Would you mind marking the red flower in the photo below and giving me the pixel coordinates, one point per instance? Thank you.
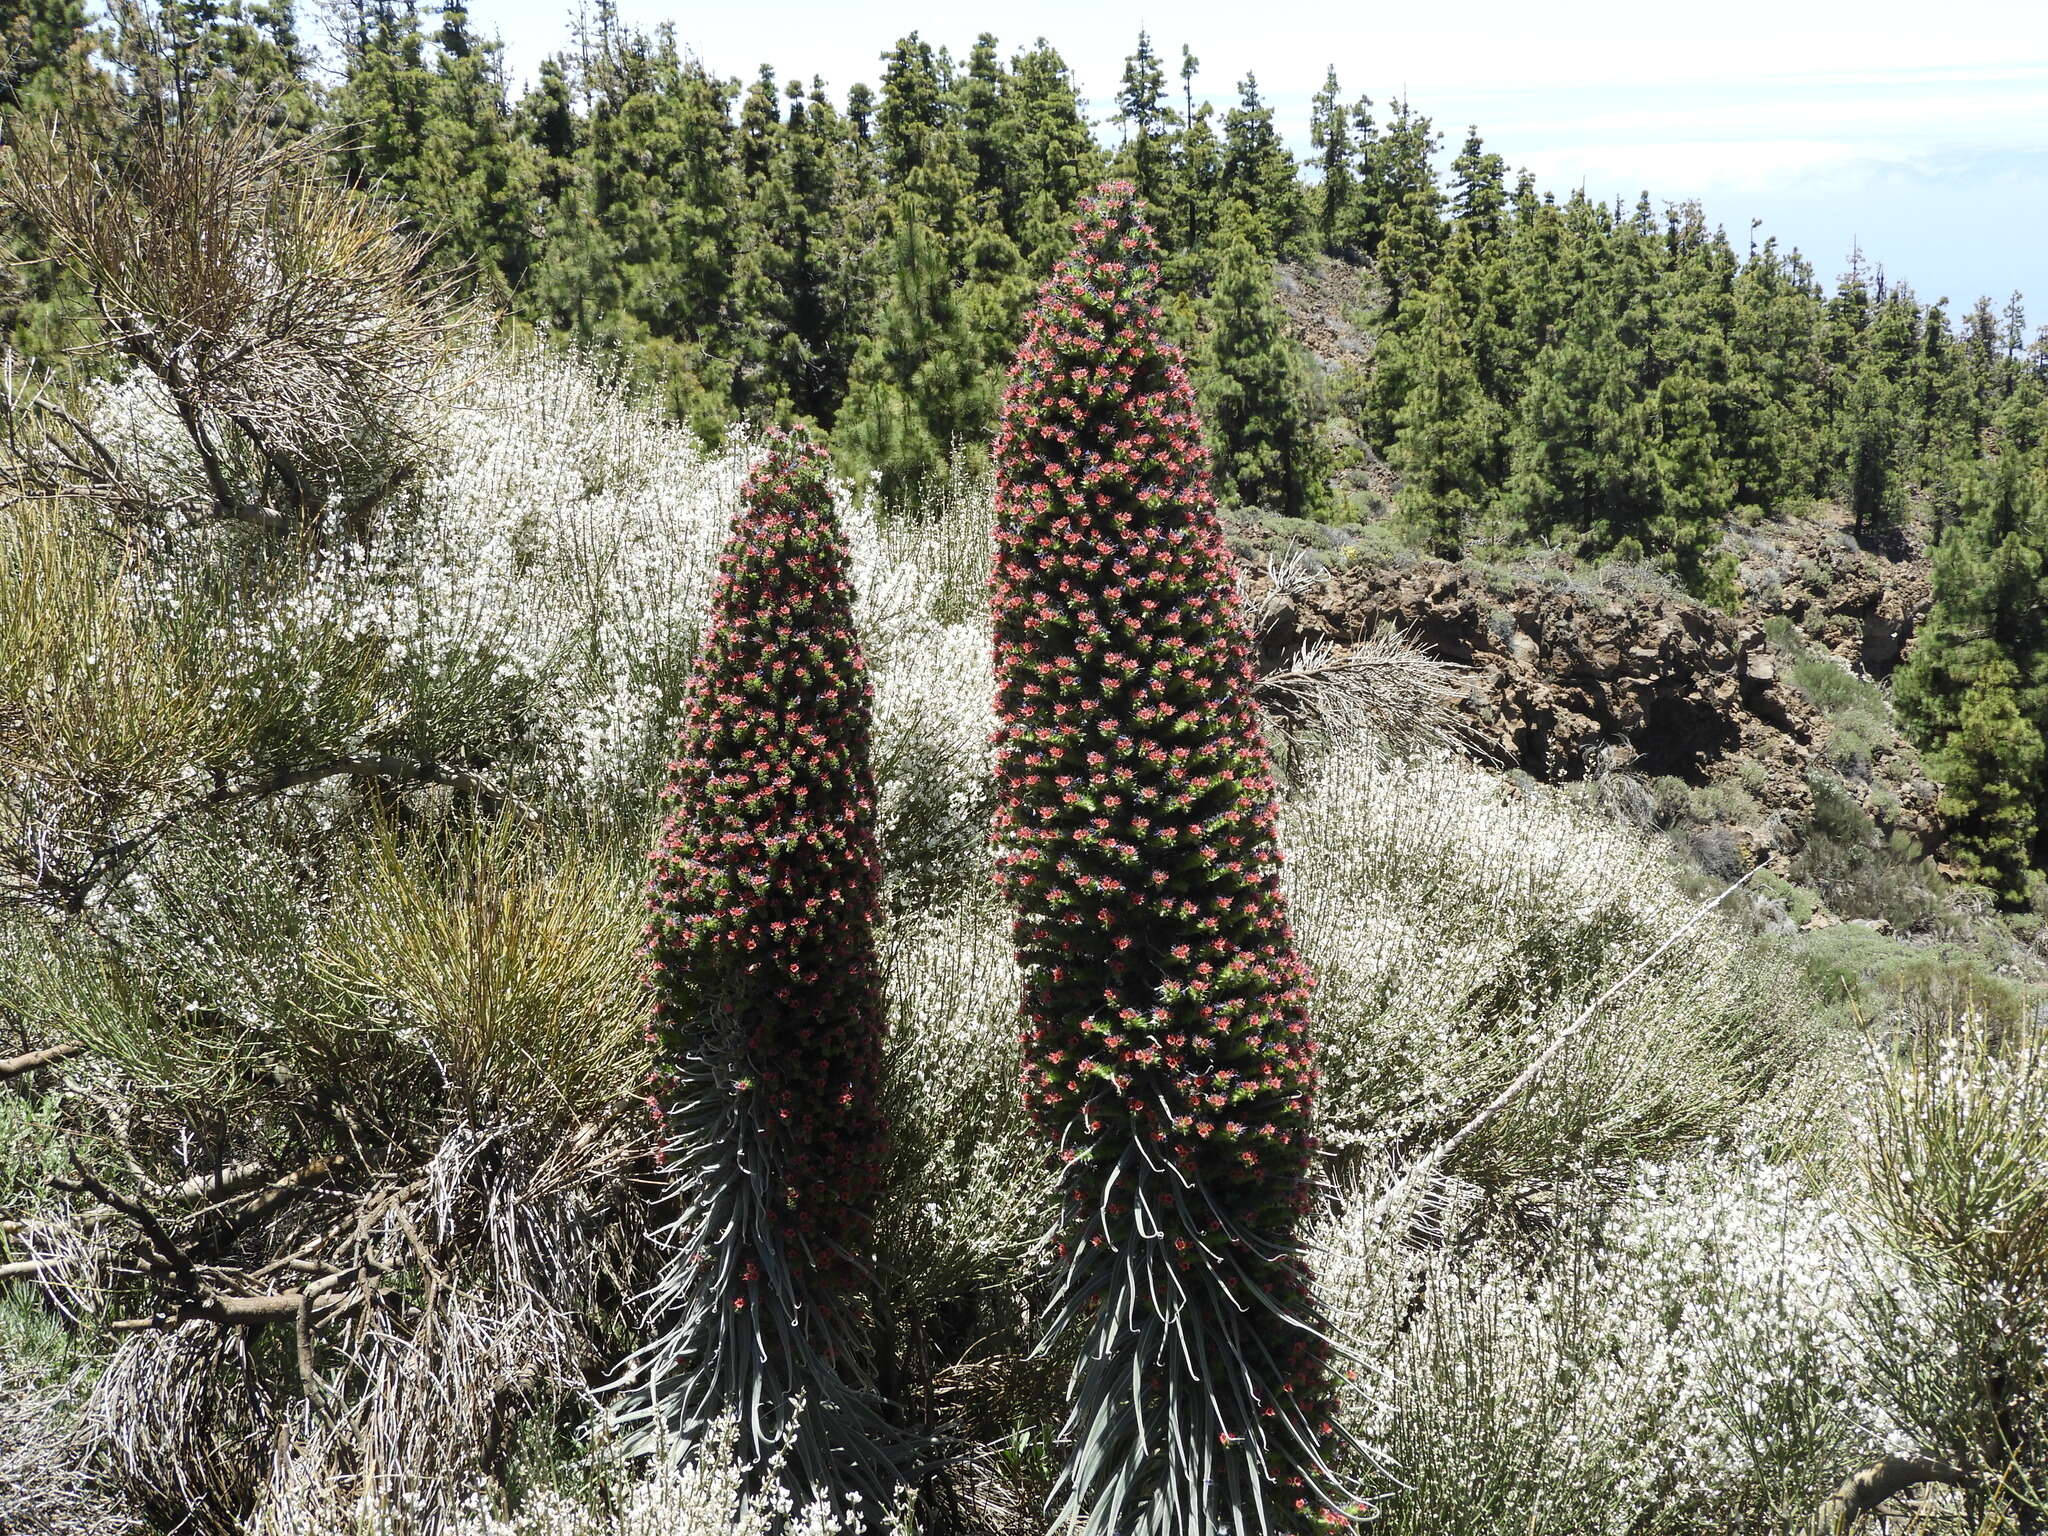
(1127, 733)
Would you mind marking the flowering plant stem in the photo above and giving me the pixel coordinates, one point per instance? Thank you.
(768, 1020)
(1166, 1011)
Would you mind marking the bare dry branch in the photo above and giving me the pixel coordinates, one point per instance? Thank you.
(49, 1056)
(1863, 1491)
(1388, 686)
(1284, 577)
(1426, 1165)
(30, 1269)
(71, 886)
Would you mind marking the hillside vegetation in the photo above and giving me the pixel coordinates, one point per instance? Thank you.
(1282, 1121)
(1458, 364)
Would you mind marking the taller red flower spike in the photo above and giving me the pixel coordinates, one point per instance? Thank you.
(768, 1013)
(1166, 1012)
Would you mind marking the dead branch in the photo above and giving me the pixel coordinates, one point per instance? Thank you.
(1426, 1165)
(231, 1180)
(284, 318)
(168, 1255)
(1386, 686)
(1863, 1491)
(1287, 574)
(233, 1310)
(29, 1269)
(48, 1056)
(278, 1191)
(72, 891)
(235, 1179)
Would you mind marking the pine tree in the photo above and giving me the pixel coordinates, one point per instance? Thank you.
(760, 128)
(1948, 414)
(1166, 1012)
(1773, 425)
(911, 121)
(44, 50)
(1145, 117)
(1445, 428)
(645, 228)
(1406, 200)
(925, 380)
(1051, 157)
(385, 101)
(1974, 689)
(1873, 452)
(921, 383)
(428, 123)
(1991, 769)
(1478, 188)
(803, 276)
(1984, 355)
(1329, 133)
(1198, 202)
(1693, 491)
(46, 68)
(1258, 176)
(1359, 230)
(1583, 416)
(1615, 446)
(186, 52)
(1258, 389)
(569, 245)
(768, 1015)
(979, 101)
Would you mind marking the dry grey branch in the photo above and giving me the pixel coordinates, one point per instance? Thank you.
(1387, 687)
(48, 1056)
(1865, 1490)
(1426, 1166)
(426, 1306)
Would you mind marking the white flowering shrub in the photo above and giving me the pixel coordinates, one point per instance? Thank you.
(1688, 1359)
(923, 619)
(1457, 924)
(702, 1494)
(333, 850)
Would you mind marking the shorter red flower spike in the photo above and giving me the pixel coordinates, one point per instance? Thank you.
(767, 878)
(767, 1025)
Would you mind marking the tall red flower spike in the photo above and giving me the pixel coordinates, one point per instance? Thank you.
(1166, 1011)
(768, 1014)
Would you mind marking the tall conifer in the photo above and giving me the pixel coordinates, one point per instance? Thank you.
(1258, 175)
(1142, 110)
(1872, 452)
(1050, 155)
(1258, 389)
(1329, 133)
(1445, 428)
(1974, 689)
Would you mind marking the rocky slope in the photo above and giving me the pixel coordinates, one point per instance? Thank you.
(1727, 726)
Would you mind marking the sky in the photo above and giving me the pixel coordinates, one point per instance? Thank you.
(1918, 131)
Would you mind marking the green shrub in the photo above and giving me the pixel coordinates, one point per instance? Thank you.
(1954, 1144)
